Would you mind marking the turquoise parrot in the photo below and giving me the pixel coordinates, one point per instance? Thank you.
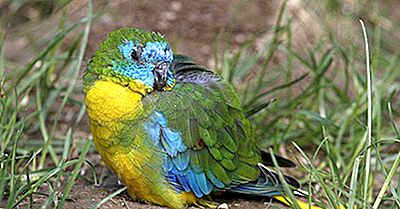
(172, 131)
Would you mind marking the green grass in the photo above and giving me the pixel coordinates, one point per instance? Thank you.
(315, 103)
(345, 132)
(27, 104)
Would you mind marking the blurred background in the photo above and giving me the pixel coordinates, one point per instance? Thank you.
(298, 66)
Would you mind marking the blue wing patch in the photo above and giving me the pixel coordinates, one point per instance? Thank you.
(177, 159)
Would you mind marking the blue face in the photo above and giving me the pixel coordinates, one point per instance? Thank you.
(149, 63)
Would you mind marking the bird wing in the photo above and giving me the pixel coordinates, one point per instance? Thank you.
(209, 144)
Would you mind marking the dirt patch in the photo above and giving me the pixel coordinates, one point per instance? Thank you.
(191, 26)
(85, 194)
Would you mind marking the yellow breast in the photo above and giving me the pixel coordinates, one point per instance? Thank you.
(108, 106)
(111, 107)
(108, 102)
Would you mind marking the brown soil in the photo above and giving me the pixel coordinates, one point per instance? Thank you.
(85, 194)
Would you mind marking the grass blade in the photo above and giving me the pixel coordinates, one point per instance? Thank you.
(369, 118)
(353, 183)
(110, 196)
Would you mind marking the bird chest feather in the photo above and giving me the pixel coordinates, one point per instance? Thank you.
(114, 112)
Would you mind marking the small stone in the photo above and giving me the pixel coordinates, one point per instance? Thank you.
(169, 16)
(223, 206)
(24, 101)
(176, 5)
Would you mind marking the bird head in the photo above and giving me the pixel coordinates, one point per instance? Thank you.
(133, 58)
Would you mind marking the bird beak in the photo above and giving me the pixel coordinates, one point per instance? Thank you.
(160, 73)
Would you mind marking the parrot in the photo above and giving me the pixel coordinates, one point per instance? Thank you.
(173, 131)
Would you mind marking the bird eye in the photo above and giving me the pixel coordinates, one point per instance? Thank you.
(135, 55)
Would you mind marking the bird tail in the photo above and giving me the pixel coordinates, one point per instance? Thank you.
(269, 185)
